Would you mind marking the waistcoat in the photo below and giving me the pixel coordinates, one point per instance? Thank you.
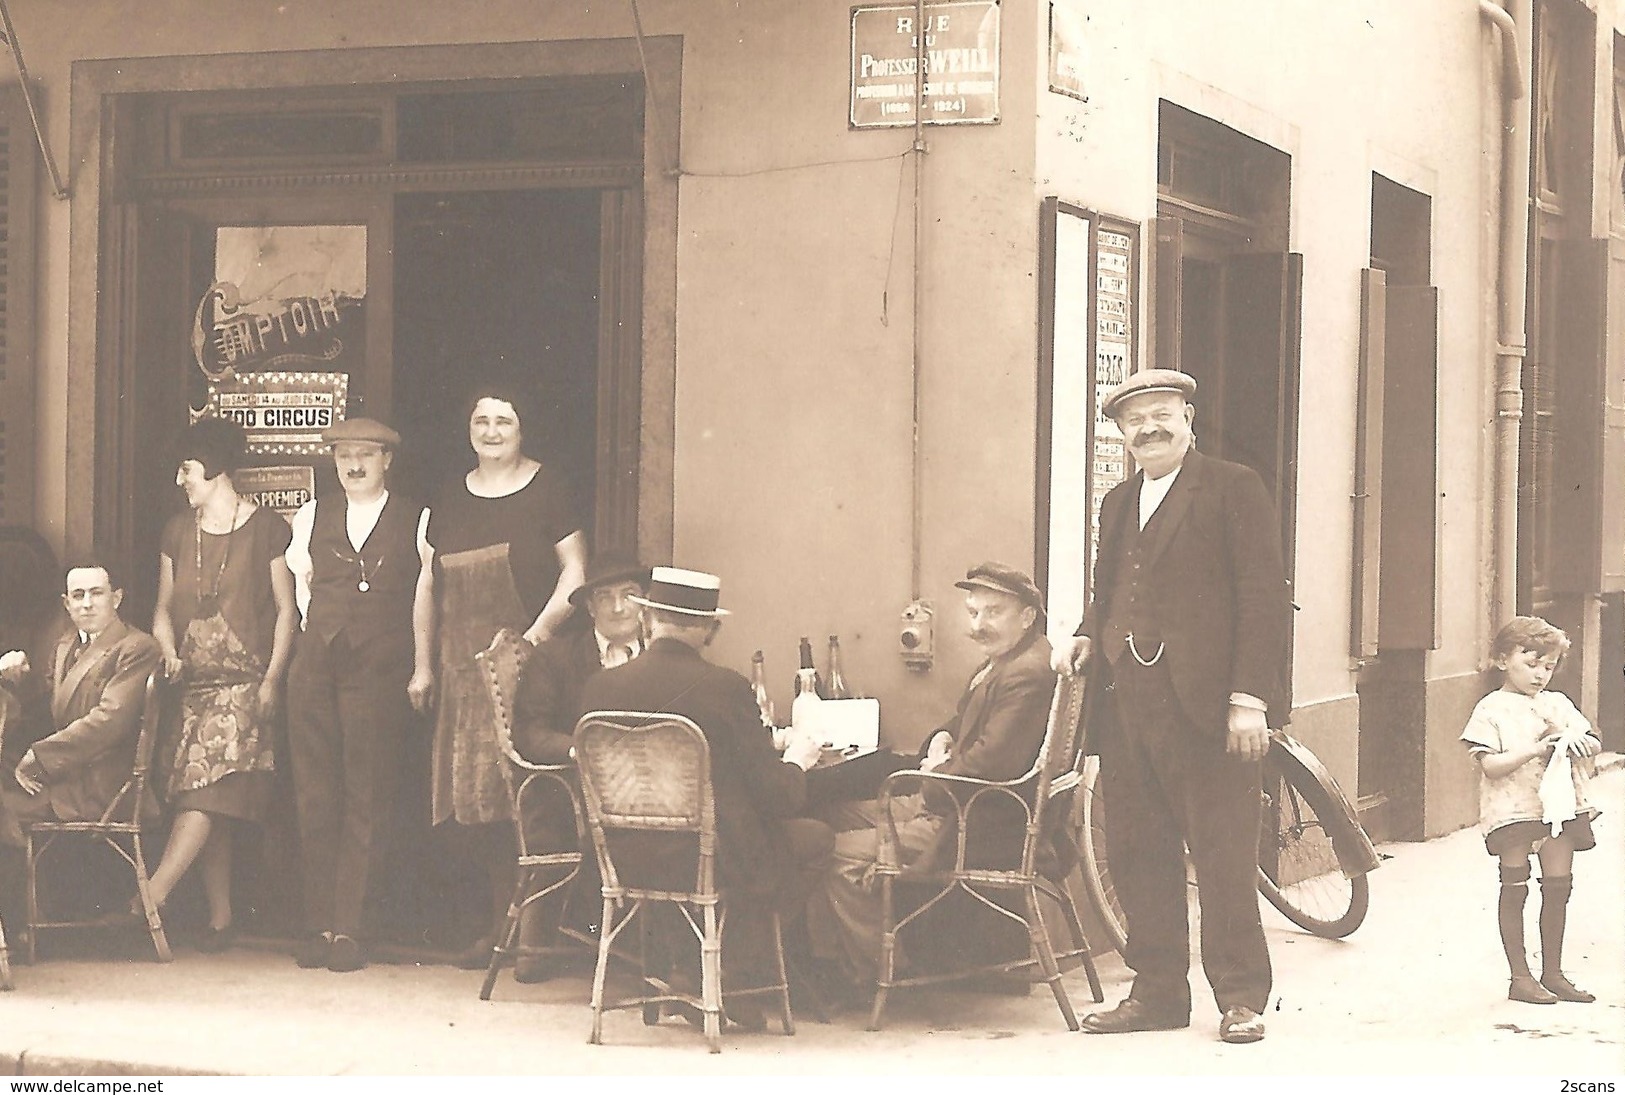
(388, 563)
(1131, 612)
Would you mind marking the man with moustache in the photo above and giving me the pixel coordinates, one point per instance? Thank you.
(547, 703)
(995, 735)
(92, 700)
(360, 668)
(1189, 624)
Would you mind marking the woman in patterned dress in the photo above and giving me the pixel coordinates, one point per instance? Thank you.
(507, 552)
(225, 622)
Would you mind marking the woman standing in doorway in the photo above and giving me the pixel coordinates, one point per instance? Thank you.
(508, 551)
(225, 622)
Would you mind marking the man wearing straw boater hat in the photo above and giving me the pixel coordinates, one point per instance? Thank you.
(766, 855)
(1189, 625)
(547, 702)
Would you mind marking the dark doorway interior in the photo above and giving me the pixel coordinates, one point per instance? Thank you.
(496, 284)
(487, 285)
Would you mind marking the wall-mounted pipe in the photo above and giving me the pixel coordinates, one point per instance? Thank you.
(1512, 25)
(58, 190)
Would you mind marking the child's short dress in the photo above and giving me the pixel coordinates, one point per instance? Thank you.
(1509, 808)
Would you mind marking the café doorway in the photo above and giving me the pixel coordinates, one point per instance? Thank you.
(496, 285)
(478, 231)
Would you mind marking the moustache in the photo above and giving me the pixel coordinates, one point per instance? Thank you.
(1154, 435)
(356, 473)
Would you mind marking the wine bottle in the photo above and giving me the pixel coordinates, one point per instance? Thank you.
(807, 698)
(807, 664)
(835, 685)
(758, 685)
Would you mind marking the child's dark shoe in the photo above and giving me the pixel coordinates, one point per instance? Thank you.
(1564, 989)
(1526, 990)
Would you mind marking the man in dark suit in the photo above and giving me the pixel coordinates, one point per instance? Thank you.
(767, 856)
(547, 703)
(92, 700)
(1190, 622)
(995, 734)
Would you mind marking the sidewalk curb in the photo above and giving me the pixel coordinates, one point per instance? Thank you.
(26, 1063)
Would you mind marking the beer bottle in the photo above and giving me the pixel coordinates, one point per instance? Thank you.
(758, 685)
(835, 686)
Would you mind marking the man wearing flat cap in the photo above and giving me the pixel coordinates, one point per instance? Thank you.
(1188, 626)
(360, 667)
(995, 734)
(547, 703)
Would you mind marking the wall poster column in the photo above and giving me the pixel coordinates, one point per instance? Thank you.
(1088, 305)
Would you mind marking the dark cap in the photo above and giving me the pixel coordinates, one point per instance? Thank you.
(362, 429)
(606, 569)
(1003, 579)
(1146, 381)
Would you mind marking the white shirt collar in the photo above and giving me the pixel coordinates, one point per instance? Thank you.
(1153, 491)
(603, 647)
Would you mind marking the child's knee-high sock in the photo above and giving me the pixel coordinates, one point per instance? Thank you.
(1554, 915)
(1514, 892)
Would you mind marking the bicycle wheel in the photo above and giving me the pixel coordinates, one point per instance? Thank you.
(1298, 870)
(1092, 873)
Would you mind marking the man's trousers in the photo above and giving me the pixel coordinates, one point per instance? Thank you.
(1169, 785)
(347, 713)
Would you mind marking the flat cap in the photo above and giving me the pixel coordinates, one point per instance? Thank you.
(362, 429)
(1145, 381)
(1003, 579)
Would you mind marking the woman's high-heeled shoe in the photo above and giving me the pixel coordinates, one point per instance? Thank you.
(216, 940)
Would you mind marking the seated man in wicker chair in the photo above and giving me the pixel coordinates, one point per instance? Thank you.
(995, 734)
(90, 705)
(767, 857)
(547, 703)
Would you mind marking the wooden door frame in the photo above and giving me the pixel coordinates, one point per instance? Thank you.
(100, 228)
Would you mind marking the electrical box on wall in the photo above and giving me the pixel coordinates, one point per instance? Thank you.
(914, 638)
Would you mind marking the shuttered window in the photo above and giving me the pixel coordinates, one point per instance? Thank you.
(19, 165)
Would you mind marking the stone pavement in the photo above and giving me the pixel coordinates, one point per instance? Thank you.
(1418, 989)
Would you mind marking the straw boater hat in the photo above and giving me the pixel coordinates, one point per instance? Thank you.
(362, 429)
(607, 569)
(691, 592)
(1143, 383)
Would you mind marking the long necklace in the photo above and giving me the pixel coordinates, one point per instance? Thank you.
(208, 604)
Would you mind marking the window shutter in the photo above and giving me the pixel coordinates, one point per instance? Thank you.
(19, 165)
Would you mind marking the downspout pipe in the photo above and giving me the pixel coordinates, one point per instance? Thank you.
(1512, 26)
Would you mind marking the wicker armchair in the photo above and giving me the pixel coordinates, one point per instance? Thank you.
(646, 780)
(996, 841)
(120, 827)
(500, 665)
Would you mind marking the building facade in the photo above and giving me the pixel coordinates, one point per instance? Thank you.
(838, 360)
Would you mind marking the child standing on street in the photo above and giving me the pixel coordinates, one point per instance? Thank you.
(1534, 749)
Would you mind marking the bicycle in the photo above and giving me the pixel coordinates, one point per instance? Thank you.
(1313, 854)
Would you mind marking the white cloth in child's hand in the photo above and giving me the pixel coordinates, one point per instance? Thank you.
(1558, 802)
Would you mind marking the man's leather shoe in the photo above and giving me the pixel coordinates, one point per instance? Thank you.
(532, 969)
(1133, 1015)
(1240, 1025)
(478, 954)
(346, 955)
(310, 953)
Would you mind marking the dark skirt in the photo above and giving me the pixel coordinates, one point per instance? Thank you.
(1518, 835)
(241, 795)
